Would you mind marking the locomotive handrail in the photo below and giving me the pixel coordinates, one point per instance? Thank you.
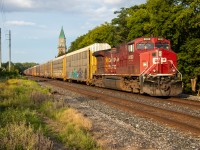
(145, 69)
(175, 68)
(143, 73)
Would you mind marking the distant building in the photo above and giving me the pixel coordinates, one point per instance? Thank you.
(62, 47)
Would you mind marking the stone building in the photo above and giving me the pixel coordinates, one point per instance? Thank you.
(62, 47)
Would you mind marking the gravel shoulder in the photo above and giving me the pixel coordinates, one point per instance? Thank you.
(115, 129)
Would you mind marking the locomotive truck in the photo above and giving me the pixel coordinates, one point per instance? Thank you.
(146, 65)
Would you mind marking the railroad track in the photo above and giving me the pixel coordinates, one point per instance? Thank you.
(194, 105)
(185, 122)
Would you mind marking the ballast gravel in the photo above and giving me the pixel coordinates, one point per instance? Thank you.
(118, 130)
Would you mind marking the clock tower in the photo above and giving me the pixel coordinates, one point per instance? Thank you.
(62, 43)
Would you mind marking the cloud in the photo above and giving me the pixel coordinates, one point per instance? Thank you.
(70, 6)
(18, 5)
(102, 10)
(113, 1)
(23, 23)
(20, 23)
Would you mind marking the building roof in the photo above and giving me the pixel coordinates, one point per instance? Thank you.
(62, 34)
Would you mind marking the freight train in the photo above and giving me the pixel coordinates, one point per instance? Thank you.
(146, 65)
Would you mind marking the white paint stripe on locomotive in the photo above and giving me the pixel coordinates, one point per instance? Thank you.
(161, 74)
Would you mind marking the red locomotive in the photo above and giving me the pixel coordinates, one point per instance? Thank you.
(144, 65)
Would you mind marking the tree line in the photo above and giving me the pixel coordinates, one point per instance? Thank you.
(176, 20)
(15, 67)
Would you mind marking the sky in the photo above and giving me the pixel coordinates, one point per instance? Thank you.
(35, 24)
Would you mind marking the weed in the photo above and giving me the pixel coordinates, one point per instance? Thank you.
(73, 116)
(38, 97)
(22, 136)
(75, 138)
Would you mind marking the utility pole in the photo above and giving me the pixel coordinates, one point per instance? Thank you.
(9, 50)
(0, 48)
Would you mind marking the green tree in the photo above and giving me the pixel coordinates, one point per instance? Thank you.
(138, 22)
(100, 34)
(189, 62)
(120, 29)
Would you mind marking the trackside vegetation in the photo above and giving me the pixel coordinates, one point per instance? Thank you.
(30, 117)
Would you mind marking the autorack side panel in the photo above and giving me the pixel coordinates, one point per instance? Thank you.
(80, 64)
(64, 68)
(48, 69)
(34, 71)
(92, 65)
(44, 65)
(57, 65)
(77, 65)
(51, 69)
(28, 71)
(38, 70)
(42, 70)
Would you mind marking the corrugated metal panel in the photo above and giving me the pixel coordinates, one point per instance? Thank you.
(48, 69)
(99, 46)
(58, 67)
(94, 47)
(59, 57)
(77, 66)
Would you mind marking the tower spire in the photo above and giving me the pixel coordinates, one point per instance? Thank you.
(62, 34)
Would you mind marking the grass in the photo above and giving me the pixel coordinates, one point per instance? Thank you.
(20, 125)
(22, 136)
(73, 129)
(23, 106)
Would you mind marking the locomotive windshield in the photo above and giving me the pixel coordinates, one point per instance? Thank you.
(145, 46)
(162, 45)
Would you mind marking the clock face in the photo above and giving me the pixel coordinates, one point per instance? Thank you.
(62, 42)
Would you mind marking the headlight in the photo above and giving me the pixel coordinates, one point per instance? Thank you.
(144, 64)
